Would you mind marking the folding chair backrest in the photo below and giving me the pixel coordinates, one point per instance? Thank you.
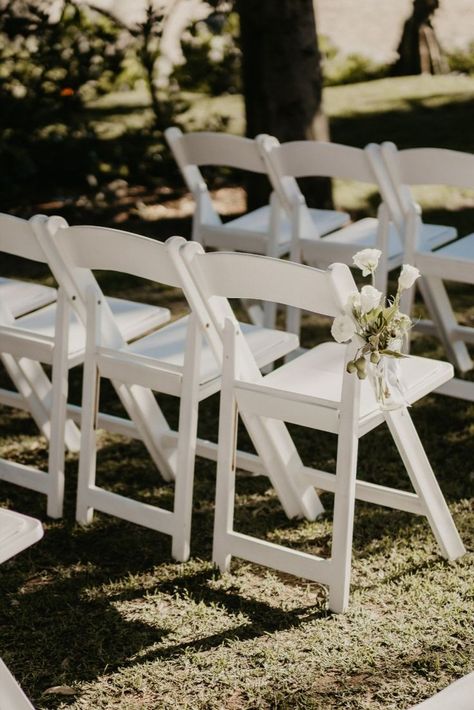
(18, 238)
(219, 276)
(73, 252)
(298, 159)
(192, 150)
(426, 166)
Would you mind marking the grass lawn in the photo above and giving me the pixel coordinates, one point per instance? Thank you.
(105, 612)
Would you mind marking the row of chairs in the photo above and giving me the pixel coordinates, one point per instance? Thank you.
(287, 227)
(141, 351)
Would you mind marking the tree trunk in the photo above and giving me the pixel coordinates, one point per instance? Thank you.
(419, 50)
(282, 82)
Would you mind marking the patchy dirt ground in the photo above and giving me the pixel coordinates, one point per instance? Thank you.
(373, 27)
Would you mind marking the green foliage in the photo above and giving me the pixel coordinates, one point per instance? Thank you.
(462, 60)
(212, 57)
(48, 69)
(341, 69)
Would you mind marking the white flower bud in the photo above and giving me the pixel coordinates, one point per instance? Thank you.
(408, 276)
(367, 260)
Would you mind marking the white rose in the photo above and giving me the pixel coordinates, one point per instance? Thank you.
(367, 260)
(369, 298)
(342, 329)
(408, 276)
(353, 302)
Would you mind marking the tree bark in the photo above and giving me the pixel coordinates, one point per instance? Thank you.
(282, 80)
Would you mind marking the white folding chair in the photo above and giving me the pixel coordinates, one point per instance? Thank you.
(25, 296)
(169, 361)
(457, 696)
(297, 159)
(397, 170)
(266, 230)
(437, 263)
(314, 391)
(51, 336)
(17, 532)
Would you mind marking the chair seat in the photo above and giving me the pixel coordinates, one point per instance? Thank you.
(318, 374)
(17, 532)
(23, 297)
(453, 262)
(460, 249)
(457, 696)
(363, 235)
(133, 318)
(168, 345)
(256, 225)
(435, 235)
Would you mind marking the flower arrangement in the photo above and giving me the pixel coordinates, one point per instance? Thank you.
(379, 327)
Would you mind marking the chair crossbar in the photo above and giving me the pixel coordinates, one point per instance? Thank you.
(369, 492)
(285, 406)
(26, 476)
(279, 558)
(134, 511)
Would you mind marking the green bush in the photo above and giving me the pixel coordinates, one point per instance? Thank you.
(48, 70)
(212, 58)
(341, 69)
(462, 60)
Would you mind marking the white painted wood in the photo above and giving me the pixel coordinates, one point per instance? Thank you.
(49, 335)
(313, 390)
(424, 482)
(17, 532)
(170, 360)
(12, 696)
(431, 247)
(457, 695)
(266, 230)
(297, 159)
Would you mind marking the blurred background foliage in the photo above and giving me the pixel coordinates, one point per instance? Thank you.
(83, 102)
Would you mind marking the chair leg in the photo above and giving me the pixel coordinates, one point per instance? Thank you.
(438, 303)
(269, 314)
(188, 420)
(35, 387)
(293, 320)
(58, 412)
(343, 522)
(225, 476)
(424, 482)
(225, 480)
(88, 455)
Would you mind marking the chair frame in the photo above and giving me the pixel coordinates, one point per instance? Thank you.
(299, 159)
(435, 166)
(73, 253)
(197, 149)
(219, 276)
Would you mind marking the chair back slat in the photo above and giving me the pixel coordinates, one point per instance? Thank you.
(17, 238)
(73, 252)
(208, 148)
(319, 159)
(236, 275)
(101, 248)
(436, 166)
